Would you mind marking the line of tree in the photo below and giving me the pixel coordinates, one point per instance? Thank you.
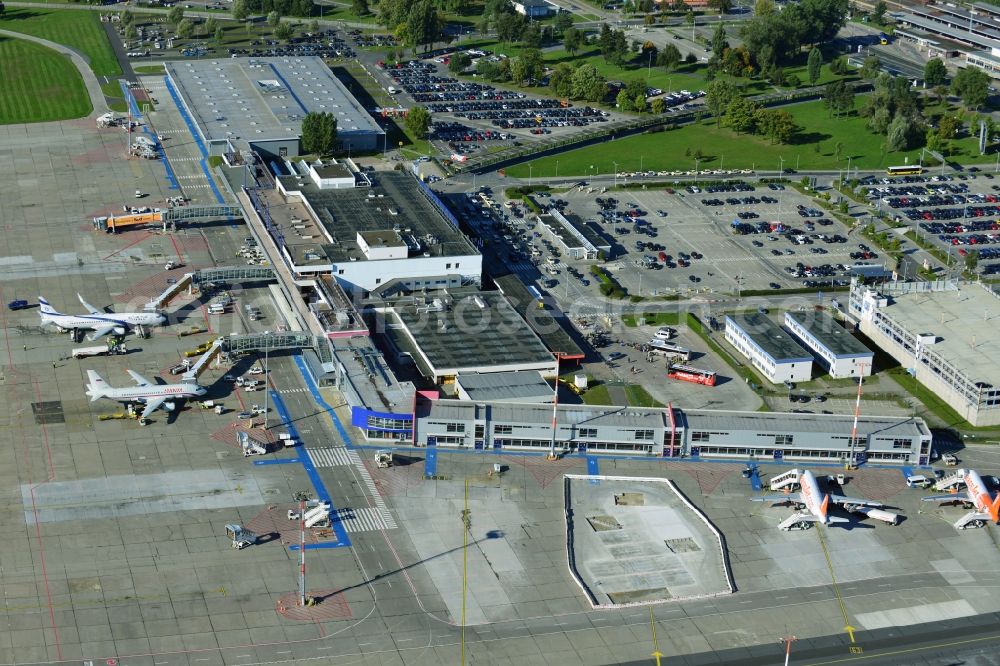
(774, 38)
(319, 133)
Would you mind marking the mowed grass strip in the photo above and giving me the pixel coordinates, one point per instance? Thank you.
(39, 84)
(812, 147)
(80, 30)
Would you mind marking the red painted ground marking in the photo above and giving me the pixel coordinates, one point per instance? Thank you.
(544, 471)
(141, 238)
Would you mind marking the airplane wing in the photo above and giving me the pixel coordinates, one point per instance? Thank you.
(790, 497)
(101, 332)
(90, 308)
(950, 497)
(152, 404)
(139, 379)
(840, 499)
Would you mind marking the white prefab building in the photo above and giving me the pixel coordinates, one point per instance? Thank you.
(834, 347)
(769, 348)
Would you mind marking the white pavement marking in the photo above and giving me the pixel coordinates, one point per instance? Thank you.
(376, 496)
(329, 457)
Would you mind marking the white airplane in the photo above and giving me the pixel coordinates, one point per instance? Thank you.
(153, 395)
(975, 496)
(100, 322)
(816, 502)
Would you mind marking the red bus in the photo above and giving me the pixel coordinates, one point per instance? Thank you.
(686, 373)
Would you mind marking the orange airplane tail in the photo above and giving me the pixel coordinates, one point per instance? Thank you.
(995, 509)
(824, 507)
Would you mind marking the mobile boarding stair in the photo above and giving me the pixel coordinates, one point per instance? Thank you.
(789, 481)
(786, 481)
(952, 481)
(249, 445)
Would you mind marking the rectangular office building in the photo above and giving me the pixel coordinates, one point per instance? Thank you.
(833, 346)
(769, 348)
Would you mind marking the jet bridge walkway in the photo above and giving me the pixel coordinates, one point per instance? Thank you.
(269, 342)
(228, 274)
(168, 217)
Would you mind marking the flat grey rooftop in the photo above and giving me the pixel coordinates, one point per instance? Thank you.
(395, 200)
(550, 330)
(476, 330)
(564, 230)
(697, 419)
(774, 340)
(964, 321)
(504, 385)
(590, 415)
(264, 98)
(831, 334)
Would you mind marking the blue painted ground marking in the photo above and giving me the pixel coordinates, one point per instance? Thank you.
(755, 479)
(171, 178)
(322, 403)
(431, 462)
(907, 471)
(319, 546)
(197, 139)
(277, 461)
(321, 492)
(593, 466)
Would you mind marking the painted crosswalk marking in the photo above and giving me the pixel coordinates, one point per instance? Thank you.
(329, 457)
(364, 520)
(375, 495)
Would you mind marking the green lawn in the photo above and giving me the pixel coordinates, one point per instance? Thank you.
(653, 319)
(637, 396)
(724, 149)
(38, 84)
(80, 30)
(597, 395)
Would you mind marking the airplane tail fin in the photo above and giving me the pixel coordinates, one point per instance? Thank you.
(44, 308)
(96, 386)
(824, 508)
(995, 509)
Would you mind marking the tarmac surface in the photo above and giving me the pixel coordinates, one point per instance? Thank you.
(115, 547)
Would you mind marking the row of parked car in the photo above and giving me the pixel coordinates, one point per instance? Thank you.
(457, 132)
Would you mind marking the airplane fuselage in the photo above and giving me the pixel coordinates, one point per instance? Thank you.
(142, 394)
(812, 497)
(978, 493)
(95, 322)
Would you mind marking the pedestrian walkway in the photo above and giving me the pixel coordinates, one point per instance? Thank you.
(329, 457)
(364, 520)
(376, 496)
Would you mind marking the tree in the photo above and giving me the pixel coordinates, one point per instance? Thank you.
(459, 63)
(531, 35)
(972, 260)
(763, 8)
(128, 18)
(616, 50)
(589, 84)
(284, 31)
(273, 19)
(314, 27)
(131, 33)
(518, 71)
(418, 122)
(533, 65)
(838, 98)
(640, 103)
(668, 58)
(838, 148)
(776, 125)
(319, 133)
(718, 96)
(564, 21)
(239, 10)
(509, 27)
(878, 15)
(423, 25)
(658, 106)
(838, 66)
(719, 43)
(220, 34)
(572, 40)
(896, 134)
(972, 85)
(721, 6)
(741, 115)
(935, 73)
(175, 15)
(871, 67)
(360, 7)
(624, 102)
(814, 65)
(210, 25)
(690, 59)
(561, 80)
(185, 28)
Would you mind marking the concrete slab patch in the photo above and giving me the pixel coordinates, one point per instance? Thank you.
(933, 612)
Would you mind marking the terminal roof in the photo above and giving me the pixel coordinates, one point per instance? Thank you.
(832, 335)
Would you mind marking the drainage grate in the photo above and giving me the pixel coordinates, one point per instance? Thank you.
(48, 412)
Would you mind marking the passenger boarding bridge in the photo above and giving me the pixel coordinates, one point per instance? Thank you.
(168, 217)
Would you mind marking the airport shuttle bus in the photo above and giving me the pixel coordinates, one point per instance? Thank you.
(669, 349)
(686, 373)
(908, 170)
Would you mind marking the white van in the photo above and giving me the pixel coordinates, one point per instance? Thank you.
(665, 333)
(918, 481)
(216, 308)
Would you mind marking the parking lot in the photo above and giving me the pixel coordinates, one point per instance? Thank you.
(950, 211)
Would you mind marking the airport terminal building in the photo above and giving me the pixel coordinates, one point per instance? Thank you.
(261, 102)
(943, 333)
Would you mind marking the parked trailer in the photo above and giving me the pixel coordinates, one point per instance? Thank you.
(686, 373)
(97, 350)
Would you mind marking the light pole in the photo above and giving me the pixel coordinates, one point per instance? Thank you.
(781, 165)
(529, 175)
(267, 379)
(616, 173)
(557, 168)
